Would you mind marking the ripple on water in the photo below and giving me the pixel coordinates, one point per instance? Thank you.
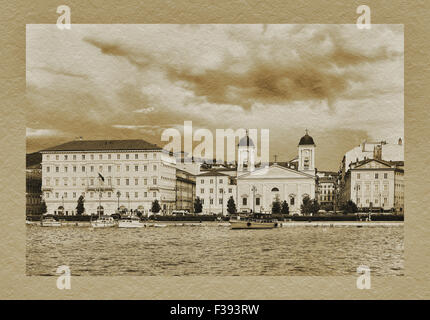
(210, 250)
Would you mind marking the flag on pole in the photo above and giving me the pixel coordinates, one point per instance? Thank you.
(101, 177)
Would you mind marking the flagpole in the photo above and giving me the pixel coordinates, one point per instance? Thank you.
(100, 198)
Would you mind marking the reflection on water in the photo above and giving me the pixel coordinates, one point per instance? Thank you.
(214, 250)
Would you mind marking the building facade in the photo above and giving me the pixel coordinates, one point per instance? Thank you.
(33, 183)
(214, 188)
(326, 189)
(109, 174)
(185, 190)
(376, 185)
(257, 189)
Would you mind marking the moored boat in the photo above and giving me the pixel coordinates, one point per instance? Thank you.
(160, 225)
(131, 222)
(103, 222)
(50, 222)
(254, 223)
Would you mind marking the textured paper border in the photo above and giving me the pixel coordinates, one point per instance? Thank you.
(14, 283)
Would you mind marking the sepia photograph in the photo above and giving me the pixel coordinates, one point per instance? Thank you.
(214, 150)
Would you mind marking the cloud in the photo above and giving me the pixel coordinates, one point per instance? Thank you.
(138, 59)
(135, 127)
(145, 110)
(279, 71)
(37, 133)
(131, 81)
(63, 72)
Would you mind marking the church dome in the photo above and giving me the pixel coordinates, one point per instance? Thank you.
(306, 140)
(246, 141)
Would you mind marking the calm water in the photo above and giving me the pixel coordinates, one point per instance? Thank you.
(215, 250)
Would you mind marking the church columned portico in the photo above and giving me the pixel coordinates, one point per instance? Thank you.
(278, 183)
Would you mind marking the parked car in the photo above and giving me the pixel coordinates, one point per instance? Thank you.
(179, 212)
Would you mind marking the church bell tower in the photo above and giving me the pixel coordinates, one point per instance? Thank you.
(245, 155)
(307, 154)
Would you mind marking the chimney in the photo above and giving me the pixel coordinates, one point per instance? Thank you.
(377, 152)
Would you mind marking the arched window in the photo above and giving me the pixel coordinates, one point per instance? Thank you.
(100, 210)
(275, 190)
(292, 199)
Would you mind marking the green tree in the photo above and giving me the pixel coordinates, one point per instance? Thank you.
(349, 207)
(276, 206)
(198, 207)
(43, 208)
(309, 206)
(231, 206)
(155, 206)
(80, 207)
(285, 209)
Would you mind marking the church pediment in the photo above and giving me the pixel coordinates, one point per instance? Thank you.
(373, 164)
(275, 172)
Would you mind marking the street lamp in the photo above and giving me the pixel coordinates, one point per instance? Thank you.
(62, 200)
(100, 203)
(118, 194)
(253, 189)
(222, 202)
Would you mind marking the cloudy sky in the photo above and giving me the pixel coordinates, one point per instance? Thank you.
(132, 81)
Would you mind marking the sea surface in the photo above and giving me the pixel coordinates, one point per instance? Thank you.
(214, 250)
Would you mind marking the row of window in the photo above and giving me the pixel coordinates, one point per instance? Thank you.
(376, 187)
(376, 176)
(376, 201)
(211, 201)
(101, 167)
(211, 190)
(91, 182)
(245, 201)
(92, 194)
(326, 186)
(211, 181)
(101, 156)
(328, 191)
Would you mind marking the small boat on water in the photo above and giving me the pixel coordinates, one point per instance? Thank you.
(254, 222)
(159, 225)
(50, 222)
(131, 222)
(103, 222)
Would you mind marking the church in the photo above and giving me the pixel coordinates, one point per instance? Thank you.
(257, 188)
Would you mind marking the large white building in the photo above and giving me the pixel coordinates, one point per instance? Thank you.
(135, 174)
(255, 187)
(214, 188)
(376, 184)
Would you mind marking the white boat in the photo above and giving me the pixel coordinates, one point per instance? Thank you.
(50, 222)
(103, 222)
(253, 224)
(159, 225)
(131, 222)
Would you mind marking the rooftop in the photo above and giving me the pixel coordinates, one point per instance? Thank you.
(212, 173)
(103, 145)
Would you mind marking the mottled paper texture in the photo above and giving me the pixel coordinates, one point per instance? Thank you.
(15, 285)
